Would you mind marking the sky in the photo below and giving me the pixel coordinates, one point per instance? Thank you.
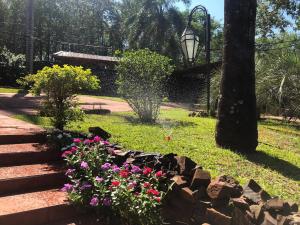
(215, 7)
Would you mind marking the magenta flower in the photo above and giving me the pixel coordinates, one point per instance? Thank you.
(74, 149)
(94, 201)
(107, 201)
(84, 165)
(135, 169)
(106, 166)
(67, 188)
(99, 179)
(66, 153)
(70, 172)
(106, 143)
(116, 169)
(86, 141)
(76, 140)
(97, 139)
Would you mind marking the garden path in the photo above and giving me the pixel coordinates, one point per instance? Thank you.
(11, 104)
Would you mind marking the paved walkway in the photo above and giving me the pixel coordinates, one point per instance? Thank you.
(11, 126)
(11, 104)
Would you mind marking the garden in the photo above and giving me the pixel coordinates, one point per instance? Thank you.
(135, 131)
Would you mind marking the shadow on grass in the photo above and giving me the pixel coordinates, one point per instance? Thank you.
(281, 166)
(275, 123)
(37, 120)
(159, 123)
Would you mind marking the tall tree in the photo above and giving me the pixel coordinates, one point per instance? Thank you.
(237, 123)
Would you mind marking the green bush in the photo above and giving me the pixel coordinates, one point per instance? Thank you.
(142, 77)
(60, 85)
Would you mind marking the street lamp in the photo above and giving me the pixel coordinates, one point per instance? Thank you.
(190, 43)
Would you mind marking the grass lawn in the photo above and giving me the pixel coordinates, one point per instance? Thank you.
(275, 166)
(9, 90)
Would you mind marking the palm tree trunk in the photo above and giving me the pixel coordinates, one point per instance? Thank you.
(237, 122)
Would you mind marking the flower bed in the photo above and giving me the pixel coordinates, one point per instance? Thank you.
(96, 180)
(154, 189)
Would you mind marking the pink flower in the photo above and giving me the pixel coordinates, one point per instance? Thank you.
(159, 174)
(94, 201)
(135, 169)
(66, 153)
(146, 185)
(87, 141)
(153, 192)
(84, 165)
(158, 199)
(147, 170)
(67, 188)
(99, 179)
(76, 140)
(97, 139)
(124, 173)
(70, 172)
(74, 149)
(106, 143)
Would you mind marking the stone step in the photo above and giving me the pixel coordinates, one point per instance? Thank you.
(28, 153)
(18, 138)
(89, 219)
(36, 208)
(21, 179)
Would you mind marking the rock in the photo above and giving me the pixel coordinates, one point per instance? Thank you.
(220, 203)
(257, 211)
(293, 206)
(283, 220)
(189, 195)
(240, 218)
(230, 181)
(216, 218)
(100, 132)
(278, 205)
(219, 189)
(179, 182)
(185, 165)
(253, 192)
(268, 219)
(240, 203)
(200, 178)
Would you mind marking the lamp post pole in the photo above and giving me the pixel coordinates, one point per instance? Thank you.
(190, 45)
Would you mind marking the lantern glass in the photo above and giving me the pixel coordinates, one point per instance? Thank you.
(189, 44)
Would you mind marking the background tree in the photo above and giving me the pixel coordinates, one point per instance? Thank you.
(237, 125)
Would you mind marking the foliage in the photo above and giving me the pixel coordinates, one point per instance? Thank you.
(12, 66)
(277, 156)
(142, 77)
(278, 83)
(60, 84)
(277, 15)
(99, 183)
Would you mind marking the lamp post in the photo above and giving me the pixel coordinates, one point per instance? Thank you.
(190, 43)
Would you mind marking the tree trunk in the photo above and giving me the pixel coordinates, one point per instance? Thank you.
(237, 123)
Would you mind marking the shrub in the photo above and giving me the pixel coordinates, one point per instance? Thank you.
(142, 77)
(132, 193)
(60, 85)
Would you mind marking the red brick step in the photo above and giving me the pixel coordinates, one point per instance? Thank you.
(6, 139)
(36, 208)
(28, 153)
(24, 178)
